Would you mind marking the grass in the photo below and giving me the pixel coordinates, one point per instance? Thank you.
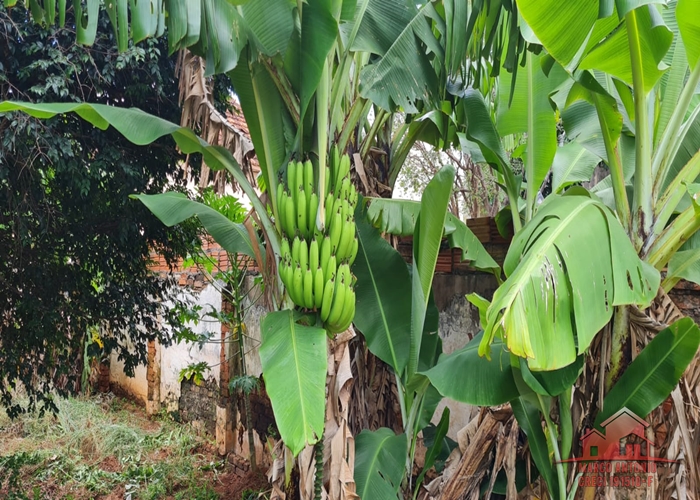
(105, 448)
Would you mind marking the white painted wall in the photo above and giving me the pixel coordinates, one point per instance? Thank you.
(174, 358)
(178, 356)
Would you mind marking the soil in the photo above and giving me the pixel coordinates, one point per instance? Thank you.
(230, 486)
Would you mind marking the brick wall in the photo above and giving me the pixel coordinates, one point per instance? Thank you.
(198, 404)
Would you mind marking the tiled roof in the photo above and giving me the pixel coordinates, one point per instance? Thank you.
(235, 118)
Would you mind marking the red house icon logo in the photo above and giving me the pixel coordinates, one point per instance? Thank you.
(622, 439)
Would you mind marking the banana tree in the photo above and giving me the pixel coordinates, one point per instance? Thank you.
(304, 75)
(623, 79)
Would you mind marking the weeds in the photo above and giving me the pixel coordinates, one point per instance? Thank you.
(98, 446)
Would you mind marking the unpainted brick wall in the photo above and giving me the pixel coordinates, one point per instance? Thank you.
(198, 403)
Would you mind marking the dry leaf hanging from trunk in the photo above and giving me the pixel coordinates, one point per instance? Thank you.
(199, 114)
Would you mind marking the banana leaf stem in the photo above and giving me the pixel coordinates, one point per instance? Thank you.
(666, 150)
(621, 322)
(552, 431)
(642, 211)
(622, 206)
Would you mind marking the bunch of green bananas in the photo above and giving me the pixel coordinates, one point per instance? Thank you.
(319, 243)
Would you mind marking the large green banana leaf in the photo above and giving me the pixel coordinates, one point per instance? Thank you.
(379, 464)
(481, 382)
(613, 54)
(654, 373)
(383, 296)
(525, 108)
(427, 236)
(689, 27)
(173, 208)
(567, 269)
(142, 128)
(398, 217)
(265, 115)
(294, 364)
(398, 32)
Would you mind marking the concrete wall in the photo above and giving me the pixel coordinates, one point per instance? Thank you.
(459, 323)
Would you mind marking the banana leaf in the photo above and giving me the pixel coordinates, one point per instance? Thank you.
(552, 304)
(654, 373)
(379, 463)
(294, 364)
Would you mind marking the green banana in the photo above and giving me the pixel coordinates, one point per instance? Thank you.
(353, 195)
(298, 179)
(283, 267)
(343, 171)
(313, 255)
(334, 165)
(327, 180)
(297, 288)
(329, 210)
(353, 251)
(345, 188)
(308, 177)
(344, 273)
(344, 209)
(290, 216)
(312, 212)
(304, 255)
(308, 289)
(280, 191)
(337, 207)
(325, 253)
(335, 231)
(344, 247)
(348, 313)
(335, 153)
(330, 270)
(302, 217)
(318, 287)
(327, 299)
(285, 249)
(338, 303)
(291, 178)
(296, 246)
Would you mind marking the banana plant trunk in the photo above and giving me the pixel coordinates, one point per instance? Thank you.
(673, 425)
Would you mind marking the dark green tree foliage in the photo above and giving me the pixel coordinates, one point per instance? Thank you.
(73, 246)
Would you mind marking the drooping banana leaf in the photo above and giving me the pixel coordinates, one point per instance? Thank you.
(528, 416)
(294, 364)
(398, 32)
(173, 208)
(142, 128)
(379, 463)
(567, 269)
(398, 217)
(654, 373)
